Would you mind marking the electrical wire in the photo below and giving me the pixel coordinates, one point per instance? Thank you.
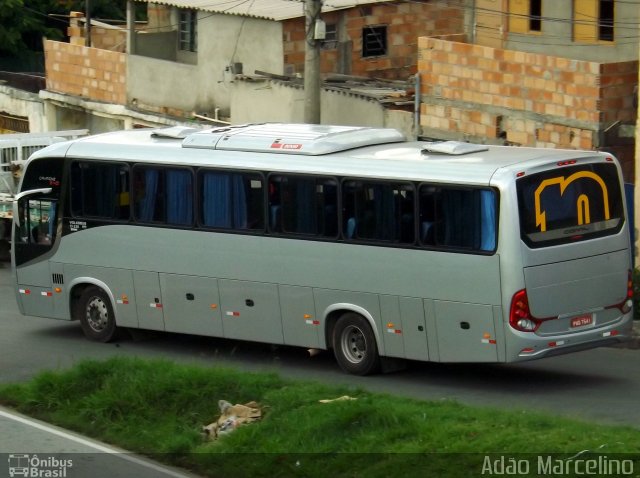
(629, 27)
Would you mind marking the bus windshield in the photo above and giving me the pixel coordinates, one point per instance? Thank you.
(568, 205)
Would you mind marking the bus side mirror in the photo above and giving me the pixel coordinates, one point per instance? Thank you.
(23, 194)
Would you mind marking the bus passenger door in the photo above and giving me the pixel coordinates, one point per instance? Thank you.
(191, 305)
(148, 300)
(34, 235)
(250, 311)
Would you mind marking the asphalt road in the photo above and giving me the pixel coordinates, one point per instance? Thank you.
(601, 385)
(53, 451)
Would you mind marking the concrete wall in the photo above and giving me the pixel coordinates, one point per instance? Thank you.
(343, 108)
(275, 101)
(266, 101)
(206, 85)
(557, 35)
(21, 103)
(160, 45)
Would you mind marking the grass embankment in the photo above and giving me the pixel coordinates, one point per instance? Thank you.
(157, 408)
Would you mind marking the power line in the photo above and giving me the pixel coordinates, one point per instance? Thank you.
(550, 39)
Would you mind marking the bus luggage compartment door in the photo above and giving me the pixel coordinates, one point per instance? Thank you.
(250, 311)
(148, 300)
(191, 305)
(37, 301)
(466, 332)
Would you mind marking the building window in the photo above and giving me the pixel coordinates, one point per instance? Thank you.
(525, 16)
(188, 30)
(374, 41)
(331, 37)
(593, 20)
(535, 15)
(605, 20)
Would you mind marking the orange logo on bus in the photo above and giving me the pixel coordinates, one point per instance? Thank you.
(582, 203)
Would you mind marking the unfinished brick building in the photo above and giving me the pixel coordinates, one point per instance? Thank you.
(499, 96)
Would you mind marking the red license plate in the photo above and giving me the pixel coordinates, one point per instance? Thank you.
(582, 320)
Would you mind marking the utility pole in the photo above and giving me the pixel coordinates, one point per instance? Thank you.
(312, 63)
(131, 27)
(87, 27)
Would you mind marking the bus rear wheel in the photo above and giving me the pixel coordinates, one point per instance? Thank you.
(354, 345)
(96, 315)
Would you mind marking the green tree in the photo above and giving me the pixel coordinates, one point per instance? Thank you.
(26, 22)
(21, 25)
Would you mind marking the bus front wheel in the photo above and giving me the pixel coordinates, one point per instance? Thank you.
(96, 315)
(354, 345)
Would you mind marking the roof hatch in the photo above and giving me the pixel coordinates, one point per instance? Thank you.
(454, 148)
(303, 139)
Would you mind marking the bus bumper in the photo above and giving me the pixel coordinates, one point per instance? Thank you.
(531, 346)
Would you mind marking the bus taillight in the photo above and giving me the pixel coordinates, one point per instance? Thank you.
(627, 305)
(520, 317)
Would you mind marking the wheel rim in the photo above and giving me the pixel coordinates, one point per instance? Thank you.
(97, 314)
(354, 344)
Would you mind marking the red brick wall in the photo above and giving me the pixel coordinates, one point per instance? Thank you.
(617, 83)
(405, 21)
(483, 93)
(88, 72)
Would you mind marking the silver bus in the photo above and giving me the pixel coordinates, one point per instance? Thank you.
(328, 237)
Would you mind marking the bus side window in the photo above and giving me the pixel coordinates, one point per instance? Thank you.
(37, 221)
(164, 195)
(303, 205)
(231, 200)
(378, 211)
(427, 215)
(457, 218)
(100, 190)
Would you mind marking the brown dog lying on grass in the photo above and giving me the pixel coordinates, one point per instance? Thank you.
(231, 417)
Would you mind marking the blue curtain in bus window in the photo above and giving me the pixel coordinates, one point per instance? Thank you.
(224, 200)
(105, 191)
(385, 220)
(146, 206)
(216, 195)
(487, 220)
(239, 202)
(460, 220)
(451, 218)
(305, 206)
(179, 197)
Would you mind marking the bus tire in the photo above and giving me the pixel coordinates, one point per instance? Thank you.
(96, 315)
(354, 345)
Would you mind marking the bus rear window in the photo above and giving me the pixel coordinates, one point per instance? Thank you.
(570, 204)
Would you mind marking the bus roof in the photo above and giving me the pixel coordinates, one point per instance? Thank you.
(312, 149)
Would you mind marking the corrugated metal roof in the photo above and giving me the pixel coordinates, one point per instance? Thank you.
(270, 9)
